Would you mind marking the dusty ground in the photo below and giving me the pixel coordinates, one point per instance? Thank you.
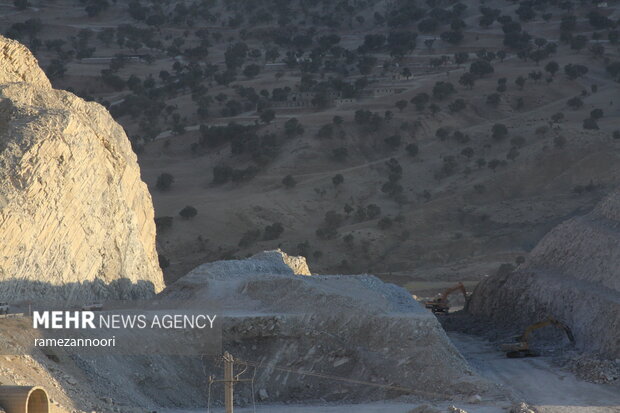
(537, 381)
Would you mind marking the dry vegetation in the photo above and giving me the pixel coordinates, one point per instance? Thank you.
(432, 140)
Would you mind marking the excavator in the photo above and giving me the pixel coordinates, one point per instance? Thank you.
(440, 304)
(522, 349)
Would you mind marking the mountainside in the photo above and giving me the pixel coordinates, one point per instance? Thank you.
(573, 274)
(76, 220)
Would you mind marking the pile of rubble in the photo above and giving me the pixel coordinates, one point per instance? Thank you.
(594, 369)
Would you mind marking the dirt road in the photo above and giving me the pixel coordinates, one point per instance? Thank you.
(536, 381)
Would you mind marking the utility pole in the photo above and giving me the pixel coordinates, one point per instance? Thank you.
(229, 380)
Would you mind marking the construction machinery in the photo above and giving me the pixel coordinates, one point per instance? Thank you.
(522, 347)
(440, 304)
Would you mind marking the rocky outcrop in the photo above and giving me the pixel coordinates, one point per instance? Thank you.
(297, 264)
(19, 65)
(76, 221)
(573, 274)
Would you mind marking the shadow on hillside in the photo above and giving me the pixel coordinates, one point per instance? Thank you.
(20, 293)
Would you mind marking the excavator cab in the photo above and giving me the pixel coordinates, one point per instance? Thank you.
(522, 348)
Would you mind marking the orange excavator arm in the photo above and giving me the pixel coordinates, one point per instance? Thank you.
(547, 322)
(440, 304)
(522, 347)
(457, 287)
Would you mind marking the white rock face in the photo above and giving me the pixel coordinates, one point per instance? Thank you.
(76, 220)
(297, 264)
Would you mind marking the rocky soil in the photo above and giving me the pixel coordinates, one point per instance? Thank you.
(76, 220)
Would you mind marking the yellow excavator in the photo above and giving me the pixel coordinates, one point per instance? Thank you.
(440, 304)
(522, 347)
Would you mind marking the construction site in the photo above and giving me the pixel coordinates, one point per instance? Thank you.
(302, 206)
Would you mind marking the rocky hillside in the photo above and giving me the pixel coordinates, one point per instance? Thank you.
(573, 274)
(76, 220)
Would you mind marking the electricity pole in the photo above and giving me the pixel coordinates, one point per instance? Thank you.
(229, 380)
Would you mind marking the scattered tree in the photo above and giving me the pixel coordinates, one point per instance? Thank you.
(442, 90)
(164, 181)
(267, 115)
(412, 149)
(251, 71)
(289, 181)
(273, 231)
(481, 68)
(188, 212)
(499, 131)
(596, 114)
(337, 180)
(575, 103)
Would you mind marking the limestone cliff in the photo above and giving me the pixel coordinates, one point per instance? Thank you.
(76, 221)
(573, 274)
